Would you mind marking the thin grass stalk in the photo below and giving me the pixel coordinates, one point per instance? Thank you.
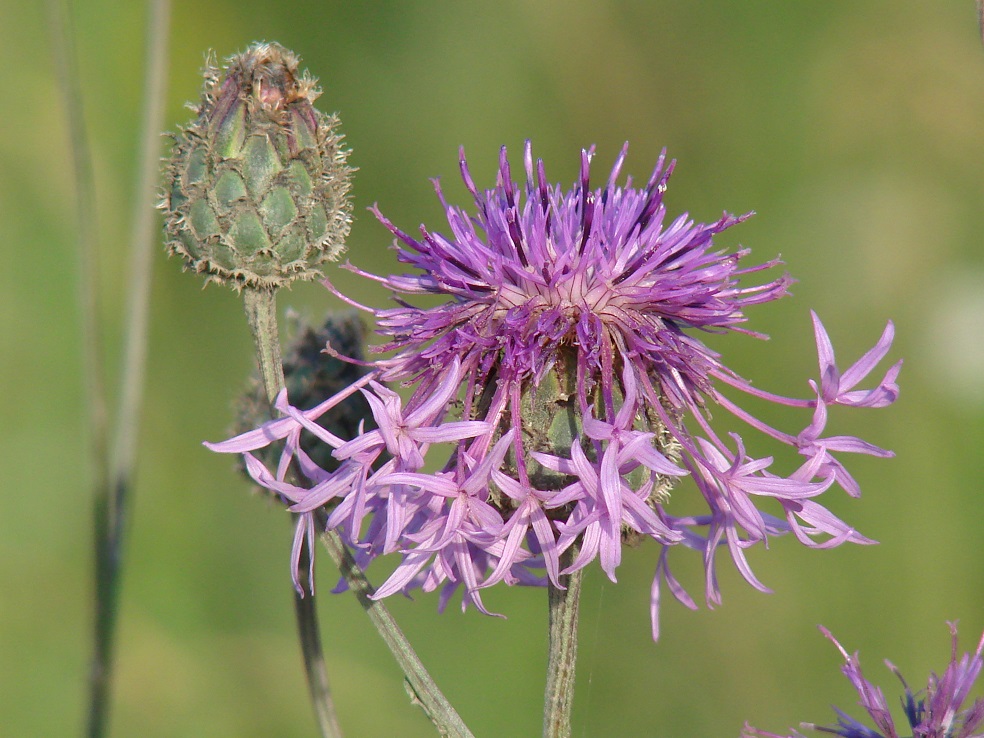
(112, 498)
(87, 248)
(96, 419)
(143, 239)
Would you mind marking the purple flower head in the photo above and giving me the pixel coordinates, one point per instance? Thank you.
(935, 713)
(559, 392)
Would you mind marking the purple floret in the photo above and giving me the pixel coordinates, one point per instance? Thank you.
(935, 713)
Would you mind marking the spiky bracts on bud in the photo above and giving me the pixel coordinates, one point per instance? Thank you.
(256, 189)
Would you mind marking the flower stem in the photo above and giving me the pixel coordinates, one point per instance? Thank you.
(314, 662)
(562, 657)
(420, 685)
(261, 315)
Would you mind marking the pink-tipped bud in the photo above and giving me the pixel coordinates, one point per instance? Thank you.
(256, 190)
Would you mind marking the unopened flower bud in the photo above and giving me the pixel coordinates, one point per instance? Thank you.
(256, 189)
(311, 375)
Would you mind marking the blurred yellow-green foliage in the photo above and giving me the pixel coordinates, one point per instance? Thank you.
(854, 128)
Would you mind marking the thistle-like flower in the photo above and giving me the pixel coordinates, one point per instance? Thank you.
(561, 391)
(937, 713)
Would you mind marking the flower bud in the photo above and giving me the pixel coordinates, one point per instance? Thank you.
(256, 189)
(311, 375)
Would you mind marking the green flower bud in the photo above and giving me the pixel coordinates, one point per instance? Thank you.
(256, 189)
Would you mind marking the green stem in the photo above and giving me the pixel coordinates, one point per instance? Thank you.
(144, 237)
(66, 70)
(261, 315)
(562, 658)
(112, 494)
(314, 662)
(108, 491)
(420, 685)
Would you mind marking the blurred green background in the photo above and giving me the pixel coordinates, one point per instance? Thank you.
(853, 128)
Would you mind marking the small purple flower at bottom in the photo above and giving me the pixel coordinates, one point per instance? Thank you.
(936, 713)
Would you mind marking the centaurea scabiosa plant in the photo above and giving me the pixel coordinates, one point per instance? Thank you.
(562, 391)
(554, 400)
(936, 712)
